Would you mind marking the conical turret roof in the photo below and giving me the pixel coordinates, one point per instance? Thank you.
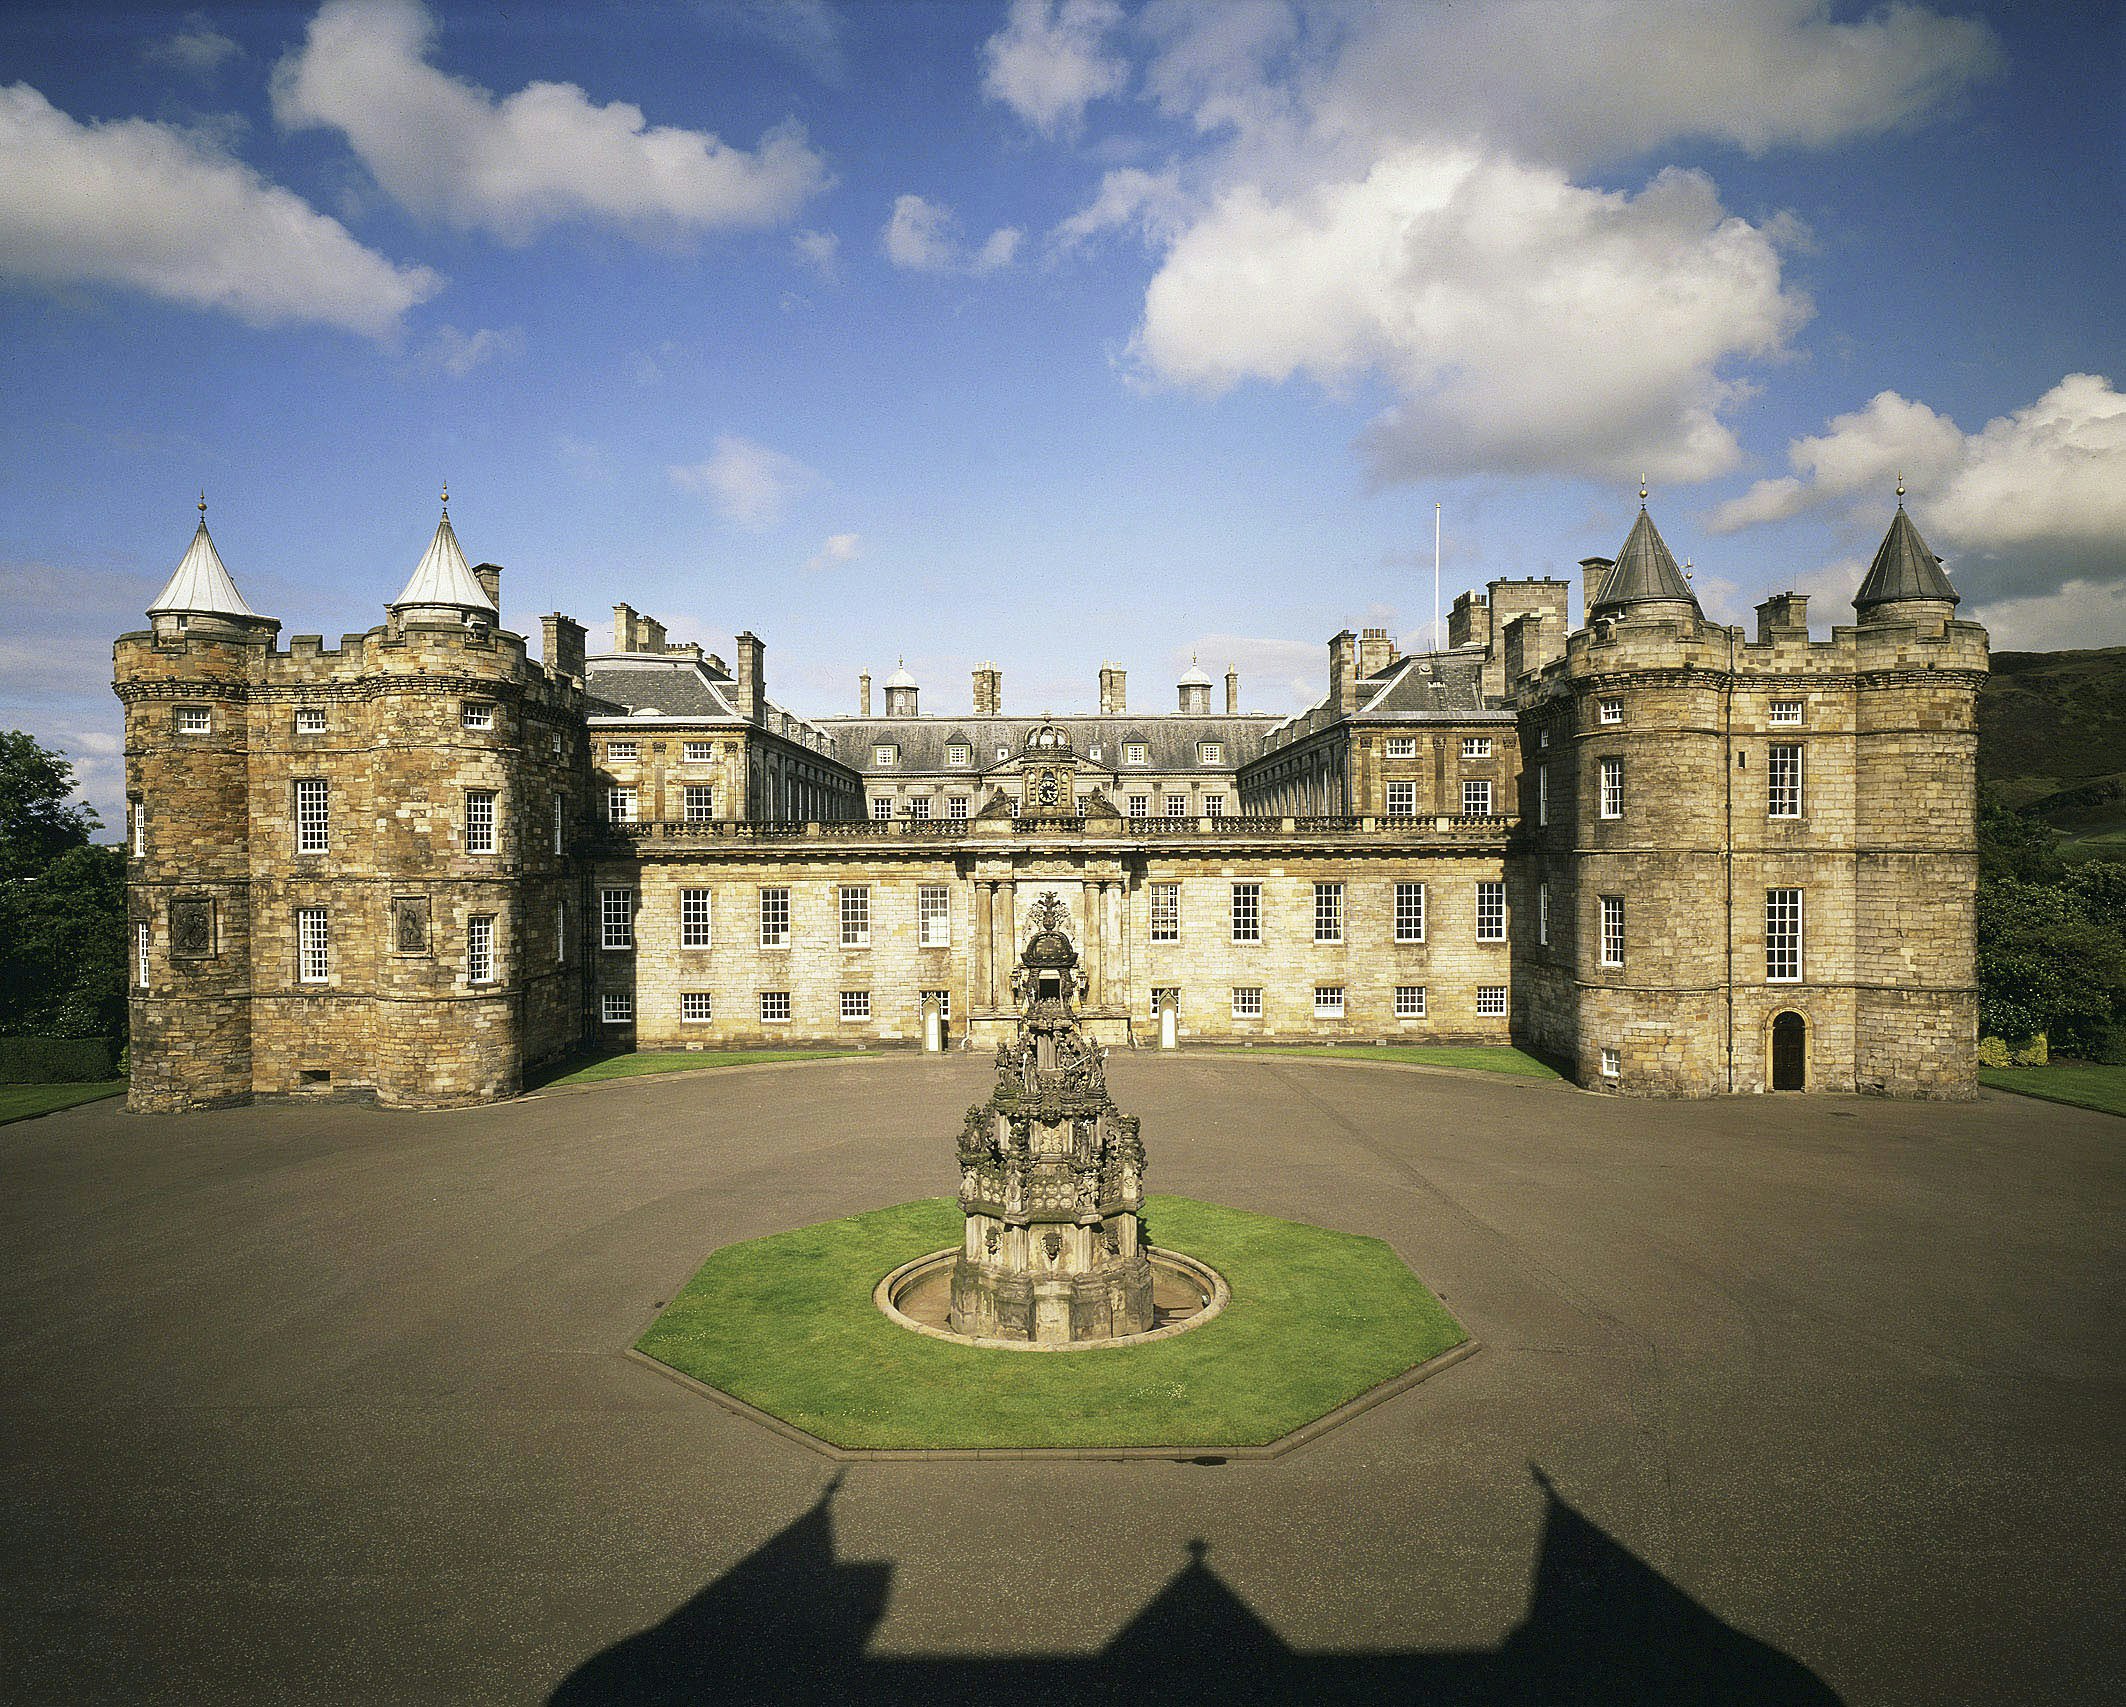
(201, 584)
(443, 577)
(1645, 572)
(1903, 569)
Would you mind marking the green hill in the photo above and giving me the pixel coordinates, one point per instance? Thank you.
(2052, 744)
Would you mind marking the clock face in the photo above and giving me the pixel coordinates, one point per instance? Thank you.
(1048, 792)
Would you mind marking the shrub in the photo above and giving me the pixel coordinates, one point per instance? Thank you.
(54, 1060)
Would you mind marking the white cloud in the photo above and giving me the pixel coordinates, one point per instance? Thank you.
(840, 548)
(1051, 60)
(458, 353)
(923, 236)
(1863, 451)
(196, 47)
(1151, 203)
(747, 483)
(449, 150)
(821, 248)
(1527, 323)
(168, 212)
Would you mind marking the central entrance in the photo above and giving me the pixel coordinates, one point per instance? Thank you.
(1790, 1053)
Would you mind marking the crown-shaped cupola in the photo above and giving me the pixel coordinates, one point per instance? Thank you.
(1645, 580)
(443, 586)
(1905, 583)
(201, 592)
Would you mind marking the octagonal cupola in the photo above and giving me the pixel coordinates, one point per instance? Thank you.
(201, 597)
(1195, 689)
(443, 587)
(1645, 580)
(1905, 583)
(900, 692)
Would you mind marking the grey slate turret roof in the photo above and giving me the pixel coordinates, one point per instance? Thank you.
(1644, 573)
(1903, 569)
(443, 577)
(200, 584)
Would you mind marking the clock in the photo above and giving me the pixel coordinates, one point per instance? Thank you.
(1048, 793)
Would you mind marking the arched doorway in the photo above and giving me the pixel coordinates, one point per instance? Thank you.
(1790, 1053)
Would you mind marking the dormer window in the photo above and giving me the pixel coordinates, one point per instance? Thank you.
(882, 755)
(477, 714)
(1003, 752)
(957, 754)
(1135, 753)
(1093, 752)
(1210, 752)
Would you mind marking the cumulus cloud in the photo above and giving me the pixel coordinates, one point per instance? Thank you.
(1051, 60)
(172, 213)
(1863, 451)
(840, 548)
(1152, 204)
(458, 353)
(450, 150)
(821, 248)
(747, 483)
(196, 47)
(923, 236)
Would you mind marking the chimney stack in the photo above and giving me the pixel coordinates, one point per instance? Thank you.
(752, 679)
(1783, 613)
(562, 642)
(489, 575)
(988, 691)
(1114, 695)
(1593, 571)
(1343, 672)
(1375, 651)
(1232, 691)
(623, 628)
(863, 693)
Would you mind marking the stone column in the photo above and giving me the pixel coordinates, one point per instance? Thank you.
(1094, 895)
(981, 991)
(1007, 940)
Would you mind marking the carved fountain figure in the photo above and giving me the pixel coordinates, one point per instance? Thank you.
(1051, 1176)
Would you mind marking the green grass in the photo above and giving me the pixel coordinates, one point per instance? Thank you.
(2082, 1083)
(26, 1102)
(787, 1323)
(582, 1072)
(1482, 1057)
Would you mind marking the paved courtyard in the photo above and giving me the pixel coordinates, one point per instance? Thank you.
(1779, 1399)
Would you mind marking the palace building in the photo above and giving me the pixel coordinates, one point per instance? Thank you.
(1679, 859)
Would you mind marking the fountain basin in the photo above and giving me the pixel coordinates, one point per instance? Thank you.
(1185, 1294)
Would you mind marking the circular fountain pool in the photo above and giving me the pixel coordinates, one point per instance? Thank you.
(1185, 1294)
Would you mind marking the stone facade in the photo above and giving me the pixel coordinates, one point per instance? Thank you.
(1680, 861)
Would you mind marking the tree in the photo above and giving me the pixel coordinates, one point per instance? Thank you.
(36, 823)
(62, 904)
(2045, 965)
(2012, 846)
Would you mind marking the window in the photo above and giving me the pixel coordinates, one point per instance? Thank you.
(140, 953)
(1177, 806)
(882, 755)
(882, 807)
(1785, 779)
(1612, 1063)
(555, 737)
(919, 808)
(1409, 1001)
(313, 820)
(1612, 930)
(956, 808)
(1782, 936)
(856, 1004)
(1402, 799)
(1140, 806)
(480, 950)
(140, 829)
(194, 720)
(560, 933)
(616, 918)
(1093, 752)
(1328, 1001)
(1003, 752)
(693, 918)
(775, 918)
(1214, 806)
(620, 805)
(700, 802)
(1476, 746)
(1491, 912)
(856, 915)
(1491, 1001)
(1542, 738)
(1409, 912)
(1542, 914)
(313, 945)
(1476, 799)
(944, 1001)
(1610, 710)
(309, 720)
(1786, 711)
(476, 714)
(1166, 912)
(557, 823)
(1134, 752)
(1328, 912)
(697, 753)
(622, 750)
(1542, 795)
(1210, 752)
(617, 1010)
(1159, 994)
(1402, 746)
(1612, 803)
(695, 1007)
(1247, 1001)
(479, 820)
(774, 1006)
(1247, 912)
(959, 755)
(933, 917)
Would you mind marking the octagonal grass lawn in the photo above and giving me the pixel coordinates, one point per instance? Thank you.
(787, 1324)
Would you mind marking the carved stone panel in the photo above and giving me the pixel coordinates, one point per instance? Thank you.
(409, 924)
(192, 928)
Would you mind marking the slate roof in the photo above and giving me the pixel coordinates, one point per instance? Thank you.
(922, 741)
(1646, 572)
(1426, 687)
(200, 584)
(642, 684)
(1903, 569)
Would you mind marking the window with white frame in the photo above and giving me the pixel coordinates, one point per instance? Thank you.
(480, 950)
(555, 738)
(956, 808)
(856, 1004)
(195, 720)
(617, 1009)
(1476, 746)
(558, 809)
(1402, 746)
(1612, 1063)
(479, 820)
(1177, 806)
(1409, 912)
(1328, 912)
(882, 807)
(933, 916)
(1491, 1001)
(1210, 752)
(693, 918)
(696, 1007)
(697, 752)
(1782, 936)
(1783, 776)
(1402, 799)
(1093, 752)
(1328, 1001)
(310, 720)
(1612, 801)
(560, 932)
(957, 754)
(856, 915)
(1542, 915)
(1476, 799)
(919, 809)
(1134, 752)
(1409, 1001)
(313, 816)
(1247, 1001)
(698, 800)
(140, 955)
(1247, 912)
(313, 945)
(1542, 795)
(1491, 912)
(774, 1006)
(882, 755)
(1003, 752)
(477, 714)
(616, 918)
(1786, 711)
(1166, 912)
(140, 829)
(620, 805)
(1159, 994)
(1214, 806)
(624, 751)
(775, 918)
(1612, 930)
(1609, 710)
(1140, 805)
(1542, 738)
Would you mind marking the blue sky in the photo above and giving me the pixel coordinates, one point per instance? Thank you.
(1047, 332)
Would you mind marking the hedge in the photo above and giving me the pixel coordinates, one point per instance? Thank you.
(54, 1060)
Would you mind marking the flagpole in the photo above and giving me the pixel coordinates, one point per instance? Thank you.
(1438, 638)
